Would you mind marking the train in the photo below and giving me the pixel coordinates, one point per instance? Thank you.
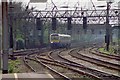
(60, 40)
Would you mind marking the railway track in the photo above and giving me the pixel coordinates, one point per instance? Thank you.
(103, 57)
(95, 62)
(46, 66)
(34, 58)
(78, 72)
(45, 63)
(102, 75)
(51, 65)
(56, 57)
(30, 51)
(28, 58)
(111, 56)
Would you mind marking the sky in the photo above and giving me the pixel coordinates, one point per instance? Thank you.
(71, 3)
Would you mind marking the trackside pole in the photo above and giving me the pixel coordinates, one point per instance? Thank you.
(5, 43)
(107, 37)
(119, 28)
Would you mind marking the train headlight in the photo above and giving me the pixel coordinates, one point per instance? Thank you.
(51, 42)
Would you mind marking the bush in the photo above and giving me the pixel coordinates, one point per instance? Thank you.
(20, 44)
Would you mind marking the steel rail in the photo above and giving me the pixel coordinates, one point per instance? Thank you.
(117, 57)
(96, 52)
(43, 63)
(100, 62)
(87, 69)
(70, 63)
(95, 61)
(63, 64)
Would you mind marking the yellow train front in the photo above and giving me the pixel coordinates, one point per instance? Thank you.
(60, 40)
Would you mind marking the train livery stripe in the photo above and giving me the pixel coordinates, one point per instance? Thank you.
(54, 40)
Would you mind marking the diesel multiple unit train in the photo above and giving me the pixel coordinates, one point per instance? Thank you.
(60, 40)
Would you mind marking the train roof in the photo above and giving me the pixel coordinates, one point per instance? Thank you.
(66, 35)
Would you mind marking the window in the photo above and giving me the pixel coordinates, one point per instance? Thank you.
(54, 37)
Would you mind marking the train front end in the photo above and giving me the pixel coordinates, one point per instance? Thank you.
(54, 41)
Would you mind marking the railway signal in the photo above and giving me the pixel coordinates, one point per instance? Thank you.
(84, 22)
(107, 39)
(54, 23)
(39, 24)
(69, 25)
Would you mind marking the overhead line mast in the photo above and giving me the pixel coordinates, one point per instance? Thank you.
(5, 37)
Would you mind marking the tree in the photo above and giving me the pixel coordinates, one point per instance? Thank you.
(21, 25)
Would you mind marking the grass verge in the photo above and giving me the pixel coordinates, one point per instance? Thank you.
(13, 66)
(103, 50)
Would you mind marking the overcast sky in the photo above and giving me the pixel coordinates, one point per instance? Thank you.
(71, 3)
(82, 3)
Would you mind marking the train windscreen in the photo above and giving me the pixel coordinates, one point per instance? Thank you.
(54, 37)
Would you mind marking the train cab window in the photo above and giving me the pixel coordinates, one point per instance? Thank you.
(54, 37)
